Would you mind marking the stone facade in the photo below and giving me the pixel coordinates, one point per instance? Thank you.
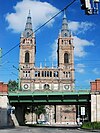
(34, 78)
(46, 78)
(95, 101)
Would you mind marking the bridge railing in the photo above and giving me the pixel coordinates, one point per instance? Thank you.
(16, 90)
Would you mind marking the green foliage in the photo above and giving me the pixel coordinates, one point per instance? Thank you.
(39, 109)
(91, 125)
(12, 85)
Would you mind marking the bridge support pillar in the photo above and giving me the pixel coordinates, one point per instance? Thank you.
(95, 107)
(20, 114)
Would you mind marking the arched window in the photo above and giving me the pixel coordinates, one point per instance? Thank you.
(31, 41)
(24, 41)
(27, 57)
(65, 34)
(66, 58)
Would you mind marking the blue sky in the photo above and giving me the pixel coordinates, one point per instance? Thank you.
(85, 30)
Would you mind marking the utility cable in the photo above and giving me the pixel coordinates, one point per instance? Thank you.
(40, 27)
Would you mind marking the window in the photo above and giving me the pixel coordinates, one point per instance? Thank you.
(55, 74)
(50, 73)
(65, 42)
(24, 41)
(69, 41)
(31, 41)
(26, 74)
(65, 34)
(45, 73)
(27, 57)
(28, 34)
(46, 86)
(65, 74)
(66, 58)
(69, 74)
(37, 73)
(42, 73)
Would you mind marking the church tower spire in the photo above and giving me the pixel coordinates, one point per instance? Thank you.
(27, 54)
(28, 27)
(66, 52)
(64, 30)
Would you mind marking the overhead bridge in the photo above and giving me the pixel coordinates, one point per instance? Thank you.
(47, 98)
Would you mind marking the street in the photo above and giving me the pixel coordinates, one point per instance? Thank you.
(42, 130)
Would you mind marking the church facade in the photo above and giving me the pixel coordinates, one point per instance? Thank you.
(34, 78)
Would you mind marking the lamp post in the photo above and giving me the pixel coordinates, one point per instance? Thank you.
(78, 118)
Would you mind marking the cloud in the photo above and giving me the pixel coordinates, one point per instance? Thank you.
(79, 50)
(80, 68)
(80, 27)
(80, 45)
(40, 12)
(96, 71)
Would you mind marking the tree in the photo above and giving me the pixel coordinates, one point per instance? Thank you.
(12, 85)
(38, 110)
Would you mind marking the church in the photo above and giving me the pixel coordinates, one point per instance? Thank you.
(61, 78)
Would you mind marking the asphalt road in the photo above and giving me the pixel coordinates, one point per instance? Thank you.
(41, 130)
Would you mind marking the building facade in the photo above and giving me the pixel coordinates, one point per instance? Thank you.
(95, 100)
(3, 104)
(34, 78)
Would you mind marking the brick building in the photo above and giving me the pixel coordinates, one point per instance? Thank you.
(95, 85)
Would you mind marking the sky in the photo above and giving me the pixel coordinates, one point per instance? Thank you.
(85, 30)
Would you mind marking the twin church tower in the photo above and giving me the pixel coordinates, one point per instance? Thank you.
(33, 78)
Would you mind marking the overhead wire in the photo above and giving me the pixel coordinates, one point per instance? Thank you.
(40, 27)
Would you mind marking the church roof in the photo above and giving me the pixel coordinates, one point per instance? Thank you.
(64, 30)
(28, 27)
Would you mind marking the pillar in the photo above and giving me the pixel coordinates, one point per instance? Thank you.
(95, 107)
(20, 114)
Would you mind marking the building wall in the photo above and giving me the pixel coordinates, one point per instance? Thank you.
(3, 104)
(95, 101)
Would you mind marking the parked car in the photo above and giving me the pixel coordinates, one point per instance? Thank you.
(31, 122)
(43, 122)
